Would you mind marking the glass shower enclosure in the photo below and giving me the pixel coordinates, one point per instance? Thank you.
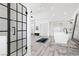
(13, 29)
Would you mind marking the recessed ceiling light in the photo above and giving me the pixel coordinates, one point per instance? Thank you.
(65, 13)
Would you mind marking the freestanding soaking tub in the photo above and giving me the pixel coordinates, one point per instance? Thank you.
(61, 37)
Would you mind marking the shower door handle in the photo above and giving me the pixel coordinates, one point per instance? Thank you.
(26, 49)
(13, 30)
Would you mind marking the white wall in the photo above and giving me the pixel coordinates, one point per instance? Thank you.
(62, 13)
(44, 29)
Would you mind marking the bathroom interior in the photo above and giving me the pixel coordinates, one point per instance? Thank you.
(54, 29)
(39, 29)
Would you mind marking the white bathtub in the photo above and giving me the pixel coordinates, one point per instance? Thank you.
(61, 37)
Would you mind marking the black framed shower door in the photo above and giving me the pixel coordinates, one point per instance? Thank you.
(16, 23)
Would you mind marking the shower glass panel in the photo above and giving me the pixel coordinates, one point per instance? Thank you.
(24, 18)
(19, 44)
(2, 9)
(3, 23)
(13, 6)
(17, 29)
(13, 29)
(13, 47)
(20, 8)
(19, 26)
(24, 26)
(13, 15)
(19, 17)
(24, 42)
(24, 11)
(13, 54)
(24, 34)
(20, 52)
(19, 35)
(13, 33)
(24, 51)
(3, 29)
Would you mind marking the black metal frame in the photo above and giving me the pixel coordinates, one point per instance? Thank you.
(74, 27)
(17, 31)
(8, 29)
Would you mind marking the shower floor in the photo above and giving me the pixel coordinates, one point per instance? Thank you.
(50, 48)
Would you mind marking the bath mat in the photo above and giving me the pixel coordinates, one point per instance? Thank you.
(42, 40)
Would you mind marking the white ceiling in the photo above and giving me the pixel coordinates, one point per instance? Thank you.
(53, 11)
